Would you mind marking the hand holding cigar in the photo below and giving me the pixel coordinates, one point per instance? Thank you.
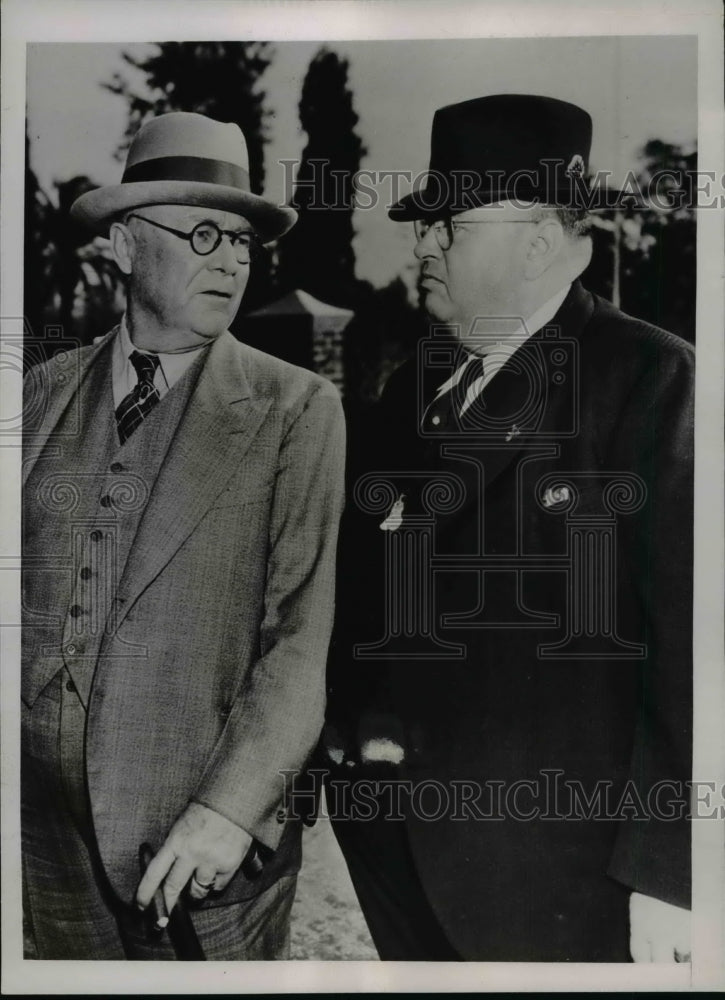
(203, 850)
(181, 930)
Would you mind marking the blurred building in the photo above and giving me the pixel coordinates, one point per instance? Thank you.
(300, 329)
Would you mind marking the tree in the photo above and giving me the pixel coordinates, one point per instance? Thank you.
(659, 265)
(35, 283)
(218, 79)
(656, 246)
(69, 282)
(317, 255)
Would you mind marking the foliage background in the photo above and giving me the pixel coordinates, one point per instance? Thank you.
(647, 262)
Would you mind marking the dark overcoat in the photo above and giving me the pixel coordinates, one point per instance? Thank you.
(524, 632)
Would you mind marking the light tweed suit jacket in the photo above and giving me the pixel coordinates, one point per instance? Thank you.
(228, 585)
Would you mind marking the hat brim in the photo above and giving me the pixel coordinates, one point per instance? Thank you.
(98, 208)
(428, 203)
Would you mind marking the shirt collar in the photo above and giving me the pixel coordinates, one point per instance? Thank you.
(172, 365)
(511, 341)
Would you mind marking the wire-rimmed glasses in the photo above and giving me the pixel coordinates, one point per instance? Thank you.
(443, 228)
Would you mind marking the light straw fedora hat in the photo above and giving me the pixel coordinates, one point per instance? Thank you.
(182, 158)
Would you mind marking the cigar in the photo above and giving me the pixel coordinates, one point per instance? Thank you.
(157, 913)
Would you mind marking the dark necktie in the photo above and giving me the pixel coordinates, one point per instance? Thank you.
(142, 398)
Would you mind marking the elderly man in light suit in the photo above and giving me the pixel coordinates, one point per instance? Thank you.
(182, 494)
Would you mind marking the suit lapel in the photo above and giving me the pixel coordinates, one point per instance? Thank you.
(50, 389)
(522, 405)
(218, 426)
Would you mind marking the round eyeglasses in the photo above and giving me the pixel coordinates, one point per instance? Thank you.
(443, 229)
(206, 237)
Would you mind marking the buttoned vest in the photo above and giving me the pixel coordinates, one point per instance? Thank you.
(83, 502)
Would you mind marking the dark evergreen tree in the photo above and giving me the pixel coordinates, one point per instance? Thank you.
(318, 255)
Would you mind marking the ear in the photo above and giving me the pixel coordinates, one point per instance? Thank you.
(122, 246)
(543, 248)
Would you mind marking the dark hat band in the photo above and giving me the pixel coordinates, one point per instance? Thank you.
(188, 168)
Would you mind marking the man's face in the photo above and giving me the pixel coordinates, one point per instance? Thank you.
(481, 274)
(173, 289)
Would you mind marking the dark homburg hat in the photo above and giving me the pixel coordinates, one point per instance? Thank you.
(182, 158)
(507, 146)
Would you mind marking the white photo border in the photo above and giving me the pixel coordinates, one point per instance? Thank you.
(133, 20)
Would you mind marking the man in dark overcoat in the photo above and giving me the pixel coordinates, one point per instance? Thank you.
(509, 725)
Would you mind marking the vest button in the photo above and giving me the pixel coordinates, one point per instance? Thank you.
(86, 573)
(105, 501)
(96, 536)
(76, 611)
(71, 649)
(116, 467)
(70, 686)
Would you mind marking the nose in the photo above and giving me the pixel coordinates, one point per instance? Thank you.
(224, 257)
(427, 245)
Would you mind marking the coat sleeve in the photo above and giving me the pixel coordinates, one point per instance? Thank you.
(655, 438)
(277, 716)
(358, 688)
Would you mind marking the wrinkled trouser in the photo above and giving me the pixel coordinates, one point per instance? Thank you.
(70, 909)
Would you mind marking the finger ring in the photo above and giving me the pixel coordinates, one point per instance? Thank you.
(206, 886)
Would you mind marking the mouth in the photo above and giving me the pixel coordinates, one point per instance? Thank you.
(217, 294)
(429, 281)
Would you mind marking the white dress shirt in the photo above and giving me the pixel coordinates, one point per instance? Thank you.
(498, 353)
(171, 366)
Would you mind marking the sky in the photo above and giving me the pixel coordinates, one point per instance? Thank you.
(635, 88)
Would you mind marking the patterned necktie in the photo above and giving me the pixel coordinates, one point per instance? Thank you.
(142, 398)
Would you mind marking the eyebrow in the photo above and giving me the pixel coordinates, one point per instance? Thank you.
(195, 218)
